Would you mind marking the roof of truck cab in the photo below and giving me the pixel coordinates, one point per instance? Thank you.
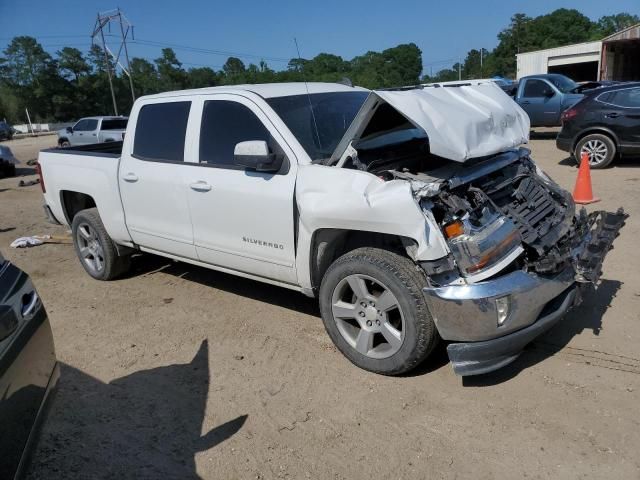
(267, 90)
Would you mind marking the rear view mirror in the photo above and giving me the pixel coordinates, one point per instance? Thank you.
(255, 155)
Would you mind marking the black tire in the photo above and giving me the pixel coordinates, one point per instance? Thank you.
(601, 149)
(405, 281)
(64, 143)
(7, 170)
(89, 233)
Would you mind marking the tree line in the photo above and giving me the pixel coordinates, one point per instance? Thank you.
(70, 84)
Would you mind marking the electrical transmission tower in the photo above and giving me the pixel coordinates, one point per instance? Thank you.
(125, 28)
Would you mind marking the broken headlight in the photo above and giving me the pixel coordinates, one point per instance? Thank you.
(479, 246)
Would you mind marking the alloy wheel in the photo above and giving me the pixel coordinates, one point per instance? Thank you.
(368, 316)
(91, 251)
(597, 151)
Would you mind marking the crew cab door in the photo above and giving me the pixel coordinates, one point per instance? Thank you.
(541, 101)
(242, 219)
(84, 132)
(154, 178)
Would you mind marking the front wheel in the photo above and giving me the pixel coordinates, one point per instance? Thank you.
(94, 247)
(600, 148)
(374, 310)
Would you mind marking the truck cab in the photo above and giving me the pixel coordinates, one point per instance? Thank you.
(91, 130)
(545, 97)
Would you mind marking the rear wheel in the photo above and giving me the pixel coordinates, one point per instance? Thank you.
(374, 310)
(94, 247)
(600, 148)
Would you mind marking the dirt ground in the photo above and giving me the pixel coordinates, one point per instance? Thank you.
(181, 372)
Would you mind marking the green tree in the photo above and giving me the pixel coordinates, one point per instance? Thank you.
(610, 24)
(72, 63)
(170, 71)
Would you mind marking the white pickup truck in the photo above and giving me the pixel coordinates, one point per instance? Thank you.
(91, 130)
(413, 215)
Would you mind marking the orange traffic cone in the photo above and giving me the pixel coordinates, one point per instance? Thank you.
(582, 192)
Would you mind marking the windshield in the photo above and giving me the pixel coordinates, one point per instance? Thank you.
(332, 114)
(564, 84)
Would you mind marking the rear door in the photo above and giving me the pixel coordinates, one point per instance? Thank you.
(242, 219)
(624, 116)
(541, 101)
(27, 361)
(154, 179)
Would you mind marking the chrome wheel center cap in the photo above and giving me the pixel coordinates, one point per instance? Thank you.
(370, 313)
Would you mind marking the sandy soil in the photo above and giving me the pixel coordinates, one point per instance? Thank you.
(180, 372)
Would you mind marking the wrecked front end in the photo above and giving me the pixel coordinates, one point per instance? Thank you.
(505, 286)
(519, 255)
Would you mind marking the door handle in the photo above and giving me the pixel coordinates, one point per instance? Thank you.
(612, 115)
(130, 177)
(29, 304)
(200, 186)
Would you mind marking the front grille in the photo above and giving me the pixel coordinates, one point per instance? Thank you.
(536, 208)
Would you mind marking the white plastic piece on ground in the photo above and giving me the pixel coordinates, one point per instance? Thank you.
(24, 242)
(462, 120)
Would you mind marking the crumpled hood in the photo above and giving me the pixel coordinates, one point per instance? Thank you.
(461, 121)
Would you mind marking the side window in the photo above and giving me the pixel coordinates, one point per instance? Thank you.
(224, 124)
(536, 88)
(81, 126)
(160, 131)
(629, 98)
(87, 125)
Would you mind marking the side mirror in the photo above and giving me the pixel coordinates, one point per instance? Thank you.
(255, 155)
(69, 129)
(8, 321)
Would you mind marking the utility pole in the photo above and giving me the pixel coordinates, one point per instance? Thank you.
(481, 51)
(459, 69)
(104, 20)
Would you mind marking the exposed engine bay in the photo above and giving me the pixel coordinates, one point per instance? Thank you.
(497, 213)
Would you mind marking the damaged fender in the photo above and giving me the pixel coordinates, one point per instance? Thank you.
(336, 198)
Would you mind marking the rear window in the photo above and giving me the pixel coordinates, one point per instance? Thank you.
(160, 131)
(117, 124)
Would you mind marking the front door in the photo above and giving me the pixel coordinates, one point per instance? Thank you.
(153, 178)
(542, 102)
(242, 219)
(85, 132)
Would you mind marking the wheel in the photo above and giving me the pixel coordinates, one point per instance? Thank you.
(64, 143)
(374, 310)
(7, 170)
(94, 247)
(600, 148)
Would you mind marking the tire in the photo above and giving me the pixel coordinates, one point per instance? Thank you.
(394, 306)
(95, 249)
(601, 150)
(7, 170)
(64, 143)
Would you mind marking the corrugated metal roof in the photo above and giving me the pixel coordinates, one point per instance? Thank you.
(629, 33)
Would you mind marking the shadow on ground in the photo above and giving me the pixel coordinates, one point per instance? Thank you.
(587, 316)
(543, 135)
(263, 292)
(144, 425)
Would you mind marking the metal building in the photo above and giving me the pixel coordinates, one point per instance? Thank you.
(616, 57)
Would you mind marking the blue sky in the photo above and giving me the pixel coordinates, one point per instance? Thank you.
(443, 30)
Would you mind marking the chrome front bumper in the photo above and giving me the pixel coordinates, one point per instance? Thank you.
(467, 315)
(468, 312)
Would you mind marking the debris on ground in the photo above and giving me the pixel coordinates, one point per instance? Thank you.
(29, 183)
(35, 240)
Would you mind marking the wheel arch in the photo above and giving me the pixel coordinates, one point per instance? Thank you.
(590, 131)
(62, 140)
(328, 244)
(72, 202)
